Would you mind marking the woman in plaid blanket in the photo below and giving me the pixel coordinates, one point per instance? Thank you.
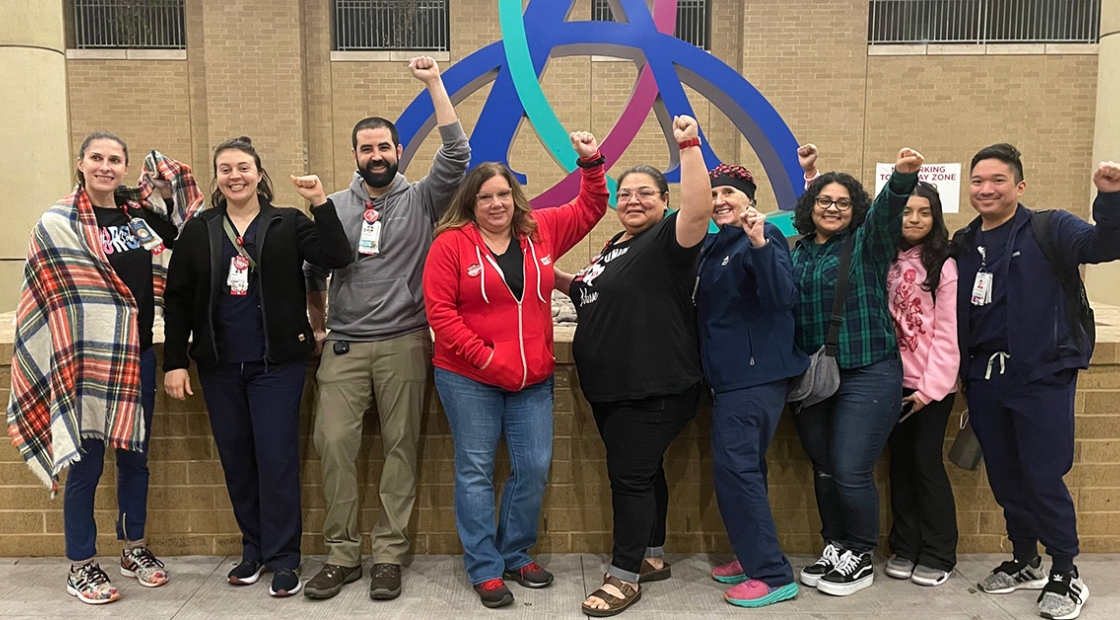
(84, 369)
(236, 292)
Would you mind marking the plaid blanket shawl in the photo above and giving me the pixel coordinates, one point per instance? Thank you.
(76, 368)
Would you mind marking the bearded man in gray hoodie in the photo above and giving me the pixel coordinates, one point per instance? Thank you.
(378, 345)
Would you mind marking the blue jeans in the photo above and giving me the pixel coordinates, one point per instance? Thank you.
(132, 481)
(743, 425)
(480, 415)
(844, 437)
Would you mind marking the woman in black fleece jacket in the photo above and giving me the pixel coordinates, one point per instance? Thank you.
(236, 283)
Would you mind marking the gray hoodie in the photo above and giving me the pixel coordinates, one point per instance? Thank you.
(380, 297)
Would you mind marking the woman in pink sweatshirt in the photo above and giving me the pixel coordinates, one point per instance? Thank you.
(922, 289)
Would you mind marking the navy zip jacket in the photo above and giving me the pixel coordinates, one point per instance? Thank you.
(744, 309)
(1039, 332)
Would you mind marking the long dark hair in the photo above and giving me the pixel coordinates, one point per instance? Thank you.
(935, 245)
(803, 212)
(245, 145)
(461, 211)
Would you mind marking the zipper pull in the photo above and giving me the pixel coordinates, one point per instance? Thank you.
(752, 360)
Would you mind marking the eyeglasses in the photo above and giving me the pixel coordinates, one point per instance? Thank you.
(485, 199)
(825, 202)
(644, 194)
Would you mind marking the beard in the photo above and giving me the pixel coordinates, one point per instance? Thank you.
(378, 178)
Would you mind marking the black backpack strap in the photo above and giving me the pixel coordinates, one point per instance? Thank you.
(1078, 313)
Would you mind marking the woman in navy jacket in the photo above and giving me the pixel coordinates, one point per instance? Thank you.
(744, 300)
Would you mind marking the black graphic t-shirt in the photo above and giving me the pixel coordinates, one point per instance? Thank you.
(636, 335)
(132, 263)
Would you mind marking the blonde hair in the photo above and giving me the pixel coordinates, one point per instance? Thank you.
(461, 211)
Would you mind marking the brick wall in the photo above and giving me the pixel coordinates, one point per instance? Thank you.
(190, 513)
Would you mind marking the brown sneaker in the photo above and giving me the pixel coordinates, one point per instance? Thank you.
(330, 579)
(385, 584)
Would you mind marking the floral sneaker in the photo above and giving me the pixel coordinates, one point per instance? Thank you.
(139, 562)
(91, 585)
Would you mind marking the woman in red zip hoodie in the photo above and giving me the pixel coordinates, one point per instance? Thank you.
(487, 289)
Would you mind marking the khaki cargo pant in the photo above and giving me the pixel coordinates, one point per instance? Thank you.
(396, 372)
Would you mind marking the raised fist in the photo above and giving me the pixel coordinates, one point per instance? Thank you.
(807, 157)
(909, 161)
(1107, 177)
(754, 224)
(584, 143)
(311, 189)
(685, 128)
(424, 68)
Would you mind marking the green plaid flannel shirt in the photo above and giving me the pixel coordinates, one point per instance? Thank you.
(867, 334)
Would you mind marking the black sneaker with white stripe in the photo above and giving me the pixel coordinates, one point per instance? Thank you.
(811, 574)
(1063, 596)
(853, 573)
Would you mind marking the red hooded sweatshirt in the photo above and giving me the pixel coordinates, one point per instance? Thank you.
(473, 312)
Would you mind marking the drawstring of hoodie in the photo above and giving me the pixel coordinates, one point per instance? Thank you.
(482, 267)
(537, 267)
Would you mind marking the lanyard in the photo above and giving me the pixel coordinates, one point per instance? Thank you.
(238, 244)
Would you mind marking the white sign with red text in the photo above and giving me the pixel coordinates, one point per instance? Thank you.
(947, 178)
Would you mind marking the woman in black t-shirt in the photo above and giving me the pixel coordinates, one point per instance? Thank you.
(637, 355)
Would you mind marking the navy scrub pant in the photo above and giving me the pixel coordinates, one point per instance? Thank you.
(254, 415)
(1026, 433)
(743, 424)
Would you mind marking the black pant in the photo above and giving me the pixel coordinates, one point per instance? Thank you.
(254, 414)
(636, 434)
(924, 529)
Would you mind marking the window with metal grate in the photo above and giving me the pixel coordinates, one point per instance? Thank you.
(420, 25)
(983, 21)
(133, 24)
(694, 20)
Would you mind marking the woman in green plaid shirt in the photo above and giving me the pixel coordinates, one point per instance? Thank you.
(845, 434)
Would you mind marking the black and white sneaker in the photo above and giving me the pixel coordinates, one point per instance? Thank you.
(285, 582)
(1063, 596)
(246, 573)
(1014, 575)
(811, 574)
(853, 573)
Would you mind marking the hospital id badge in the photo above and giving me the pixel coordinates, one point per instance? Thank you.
(147, 237)
(982, 289)
(369, 243)
(238, 279)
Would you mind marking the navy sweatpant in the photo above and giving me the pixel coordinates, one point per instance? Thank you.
(1026, 433)
(743, 425)
(254, 415)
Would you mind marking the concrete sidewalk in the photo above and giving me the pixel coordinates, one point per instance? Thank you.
(437, 587)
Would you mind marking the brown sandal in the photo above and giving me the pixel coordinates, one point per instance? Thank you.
(648, 573)
(615, 605)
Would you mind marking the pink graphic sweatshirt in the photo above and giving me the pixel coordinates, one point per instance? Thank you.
(927, 332)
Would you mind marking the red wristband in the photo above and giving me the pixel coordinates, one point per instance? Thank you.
(688, 143)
